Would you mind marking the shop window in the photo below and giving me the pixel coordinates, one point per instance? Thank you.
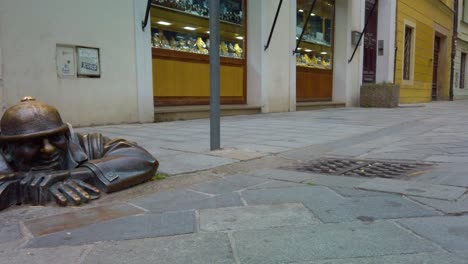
(316, 46)
(408, 53)
(465, 11)
(182, 26)
(462, 70)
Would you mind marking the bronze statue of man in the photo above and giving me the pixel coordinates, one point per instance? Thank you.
(43, 159)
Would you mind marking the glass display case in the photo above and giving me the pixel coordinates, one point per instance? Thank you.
(315, 49)
(182, 26)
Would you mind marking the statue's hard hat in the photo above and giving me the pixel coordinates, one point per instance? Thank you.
(29, 119)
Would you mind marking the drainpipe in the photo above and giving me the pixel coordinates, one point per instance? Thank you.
(396, 42)
(454, 47)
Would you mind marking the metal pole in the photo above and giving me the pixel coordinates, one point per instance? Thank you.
(214, 76)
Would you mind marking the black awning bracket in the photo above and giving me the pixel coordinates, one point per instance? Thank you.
(274, 24)
(145, 21)
(363, 31)
(304, 28)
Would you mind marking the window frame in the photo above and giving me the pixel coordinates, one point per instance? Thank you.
(462, 70)
(464, 17)
(412, 26)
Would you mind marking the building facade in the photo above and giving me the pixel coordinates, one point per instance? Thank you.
(95, 63)
(38, 40)
(460, 89)
(424, 42)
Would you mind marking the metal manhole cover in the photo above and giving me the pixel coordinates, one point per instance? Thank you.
(363, 168)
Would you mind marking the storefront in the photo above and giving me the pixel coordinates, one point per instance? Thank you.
(180, 44)
(314, 66)
(166, 63)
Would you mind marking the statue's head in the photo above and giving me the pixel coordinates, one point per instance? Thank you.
(33, 136)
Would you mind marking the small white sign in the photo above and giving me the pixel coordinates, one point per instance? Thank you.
(65, 61)
(88, 61)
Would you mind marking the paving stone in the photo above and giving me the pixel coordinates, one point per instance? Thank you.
(451, 232)
(304, 177)
(366, 209)
(201, 248)
(290, 195)
(132, 227)
(228, 184)
(76, 219)
(351, 192)
(283, 175)
(336, 181)
(454, 174)
(186, 200)
(157, 151)
(275, 184)
(424, 258)
(43, 256)
(413, 188)
(447, 158)
(351, 152)
(189, 162)
(307, 153)
(346, 240)
(462, 255)
(9, 232)
(450, 207)
(395, 156)
(255, 217)
(261, 148)
(238, 154)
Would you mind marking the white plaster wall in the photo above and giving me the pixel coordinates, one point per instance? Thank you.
(386, 32)
(144, 65)
(255, 53)
(462, 46)
(29, 33)
(271, 74)
(347, 77)
(458, 93)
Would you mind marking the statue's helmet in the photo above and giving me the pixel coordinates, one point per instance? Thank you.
(30, 119)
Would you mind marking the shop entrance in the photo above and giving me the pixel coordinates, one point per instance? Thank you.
(435, 66)
(314, 73)
(370, 44)
(180, 53)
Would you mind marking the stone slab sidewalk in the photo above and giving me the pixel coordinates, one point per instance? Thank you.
(242, 205)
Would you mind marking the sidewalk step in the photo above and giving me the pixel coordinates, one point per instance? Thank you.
(304, 106)
(172, 113)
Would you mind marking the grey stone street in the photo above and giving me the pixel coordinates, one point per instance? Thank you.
(248, 202)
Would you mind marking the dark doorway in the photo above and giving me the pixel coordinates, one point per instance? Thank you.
(370, 44)
(435, 66)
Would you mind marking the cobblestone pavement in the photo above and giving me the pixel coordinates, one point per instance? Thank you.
(246, 203)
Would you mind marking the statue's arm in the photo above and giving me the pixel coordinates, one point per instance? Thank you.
(9, 186)
(121, 164)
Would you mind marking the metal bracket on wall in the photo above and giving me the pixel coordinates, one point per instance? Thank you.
(364, 30)
(274, 24)
(305, 27)
(145, 21)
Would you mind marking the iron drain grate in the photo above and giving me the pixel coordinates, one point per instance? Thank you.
(363, 168)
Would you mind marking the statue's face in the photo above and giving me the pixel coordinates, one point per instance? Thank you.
(38, 154)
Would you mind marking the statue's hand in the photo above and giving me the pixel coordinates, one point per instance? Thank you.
(8, 193)
(73, 192)
(34, 186)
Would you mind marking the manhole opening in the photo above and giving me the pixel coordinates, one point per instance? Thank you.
(364, 168)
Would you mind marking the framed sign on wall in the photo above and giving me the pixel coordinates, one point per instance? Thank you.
(88, 62)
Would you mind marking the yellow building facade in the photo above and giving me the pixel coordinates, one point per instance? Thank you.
(424, 42)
